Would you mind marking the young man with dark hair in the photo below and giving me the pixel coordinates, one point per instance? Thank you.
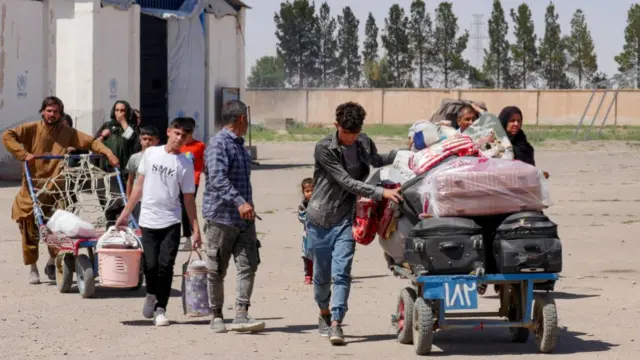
(230, 218)
(149, 136)
(47, 136)
(342, 162)
(162, 174)
(194, 150)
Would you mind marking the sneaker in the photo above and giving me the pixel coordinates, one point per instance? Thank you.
(324, 323)
(335, 335)
(50, 271)
(34, 277)
(217, 325)
(160, 319)
(308, 280)
(149, 306)
(243, 323)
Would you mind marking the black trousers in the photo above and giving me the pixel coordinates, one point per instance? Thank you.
(186, 226)
(160, 250)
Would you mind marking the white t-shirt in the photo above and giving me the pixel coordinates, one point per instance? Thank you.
(165, 175)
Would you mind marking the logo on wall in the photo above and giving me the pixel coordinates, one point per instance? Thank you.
(22, 85)
(113, 88)
(180, 113)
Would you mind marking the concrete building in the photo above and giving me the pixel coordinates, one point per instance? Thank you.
(166, 57)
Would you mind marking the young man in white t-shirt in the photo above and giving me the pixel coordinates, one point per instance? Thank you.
(163, 173)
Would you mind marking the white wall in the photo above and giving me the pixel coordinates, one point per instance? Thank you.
(226, 52)
(22, 68)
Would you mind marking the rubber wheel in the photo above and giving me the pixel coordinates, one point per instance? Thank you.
(64, 272)
(404, 317)
(545, 321)
(423, 321)
(517, 334)
(84, 276)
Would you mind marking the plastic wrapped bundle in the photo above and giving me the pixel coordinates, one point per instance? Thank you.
(425, 134)
(366, 220)
(471, 186)
(430, 157)
(487, 127)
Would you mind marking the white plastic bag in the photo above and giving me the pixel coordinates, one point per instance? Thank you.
(395, 244)
(71, 225)
(401, 165)
(115, 238)
(488, 125)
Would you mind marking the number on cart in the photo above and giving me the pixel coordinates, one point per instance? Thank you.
(460, 295)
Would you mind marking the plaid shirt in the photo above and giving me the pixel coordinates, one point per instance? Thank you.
(228, 171)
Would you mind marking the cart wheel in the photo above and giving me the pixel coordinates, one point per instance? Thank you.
(517, 334)
(422, 327)
(404, 317)
(84, 276)
(545, 321)
(64, 272)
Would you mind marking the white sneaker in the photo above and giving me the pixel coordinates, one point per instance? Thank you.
(160, 318)
(149, 306)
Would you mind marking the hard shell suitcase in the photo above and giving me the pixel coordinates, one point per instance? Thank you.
(445, 246)
(527, 242)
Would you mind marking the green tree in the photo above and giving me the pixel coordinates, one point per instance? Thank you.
(448, 47)
(268, 72)
(370, 51)
(328, 61)
(524, 52)
(629, 58)
(297, 44)
(421, 35)
(553, 55)
(349, 47)
(378, 73)
(583, 61)
(396, 42)
(600, 80)
(478, 79)
(497, 62)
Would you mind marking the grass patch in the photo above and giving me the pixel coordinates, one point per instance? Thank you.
(535, 134)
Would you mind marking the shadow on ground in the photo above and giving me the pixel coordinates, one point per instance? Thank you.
(496, 342)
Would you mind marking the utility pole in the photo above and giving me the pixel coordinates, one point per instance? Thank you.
(477, 37)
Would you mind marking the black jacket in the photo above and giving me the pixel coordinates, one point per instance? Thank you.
(334, 188)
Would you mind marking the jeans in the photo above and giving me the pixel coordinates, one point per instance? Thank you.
(223, 241)
(160, 250)
(333, 251)
(186, 224)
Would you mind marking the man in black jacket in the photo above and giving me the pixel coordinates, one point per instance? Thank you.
(342, 164)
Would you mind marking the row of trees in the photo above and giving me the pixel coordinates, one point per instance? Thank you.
(314, 49)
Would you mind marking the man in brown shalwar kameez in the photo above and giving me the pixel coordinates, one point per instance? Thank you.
(45, 137)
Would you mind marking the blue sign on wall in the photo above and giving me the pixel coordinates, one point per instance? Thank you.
(113, 89)
(22, 85)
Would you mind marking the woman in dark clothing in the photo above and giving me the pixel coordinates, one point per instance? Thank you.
(120, 136)
(511, 119)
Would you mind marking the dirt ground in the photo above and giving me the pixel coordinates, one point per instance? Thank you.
(595, 189)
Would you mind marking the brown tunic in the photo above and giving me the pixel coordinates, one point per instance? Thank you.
(39, 139)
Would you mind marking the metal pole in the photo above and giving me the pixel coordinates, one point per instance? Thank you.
(249, 118)
(586, 109)
(586, 134)
(606, 115)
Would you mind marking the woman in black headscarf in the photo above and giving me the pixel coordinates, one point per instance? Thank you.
(511, 119)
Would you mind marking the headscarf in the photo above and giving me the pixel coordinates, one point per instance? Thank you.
(522, 149)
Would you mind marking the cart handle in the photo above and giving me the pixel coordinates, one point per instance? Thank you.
(36, 209)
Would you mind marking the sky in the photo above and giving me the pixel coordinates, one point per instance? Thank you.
(606, 19)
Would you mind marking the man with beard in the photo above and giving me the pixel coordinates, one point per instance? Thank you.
(45, 137)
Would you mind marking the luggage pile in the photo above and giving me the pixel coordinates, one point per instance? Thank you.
(468, 207)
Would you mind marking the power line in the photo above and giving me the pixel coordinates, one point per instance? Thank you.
(477, 37)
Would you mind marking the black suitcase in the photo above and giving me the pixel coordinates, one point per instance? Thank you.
(445, 246)
(527, 242)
